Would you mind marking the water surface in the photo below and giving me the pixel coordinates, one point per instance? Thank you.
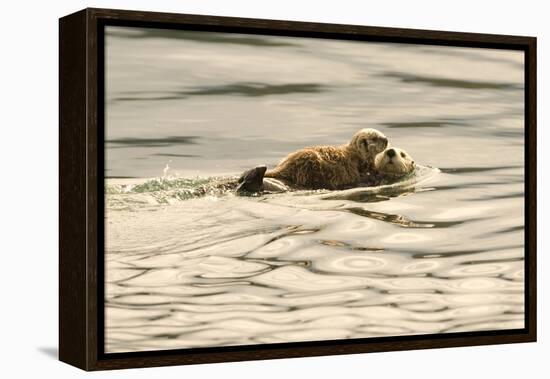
(443, 252)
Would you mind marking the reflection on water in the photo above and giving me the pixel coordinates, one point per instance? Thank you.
(166, 34)
(442, 251)
(151, 142)
(244, 89)
(440, 82)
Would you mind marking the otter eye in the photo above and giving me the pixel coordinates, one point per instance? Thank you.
(403, 154)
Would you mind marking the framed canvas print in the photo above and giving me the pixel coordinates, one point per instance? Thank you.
(242, 189)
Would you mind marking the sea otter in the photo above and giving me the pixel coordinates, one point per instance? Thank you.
(388, 166)
(331, 167)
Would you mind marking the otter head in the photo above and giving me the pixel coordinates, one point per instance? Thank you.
(394, 162)
(368, 143)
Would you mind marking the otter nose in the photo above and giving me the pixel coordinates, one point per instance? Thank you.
(390, 153)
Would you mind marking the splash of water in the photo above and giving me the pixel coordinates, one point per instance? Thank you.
(166, 169)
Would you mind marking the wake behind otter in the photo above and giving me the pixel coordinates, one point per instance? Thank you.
(129, 193)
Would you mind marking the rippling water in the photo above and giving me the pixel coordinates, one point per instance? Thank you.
(440, 252)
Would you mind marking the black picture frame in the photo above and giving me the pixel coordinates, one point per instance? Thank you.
(81, 187)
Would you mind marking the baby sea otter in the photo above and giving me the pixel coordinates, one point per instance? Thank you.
(331, 167)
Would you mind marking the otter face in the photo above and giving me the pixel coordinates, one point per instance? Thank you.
(394, 161)
(369, 142)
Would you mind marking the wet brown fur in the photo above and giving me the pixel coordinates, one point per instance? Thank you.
(316, 167)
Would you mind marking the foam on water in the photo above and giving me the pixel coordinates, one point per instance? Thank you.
(170, 189)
